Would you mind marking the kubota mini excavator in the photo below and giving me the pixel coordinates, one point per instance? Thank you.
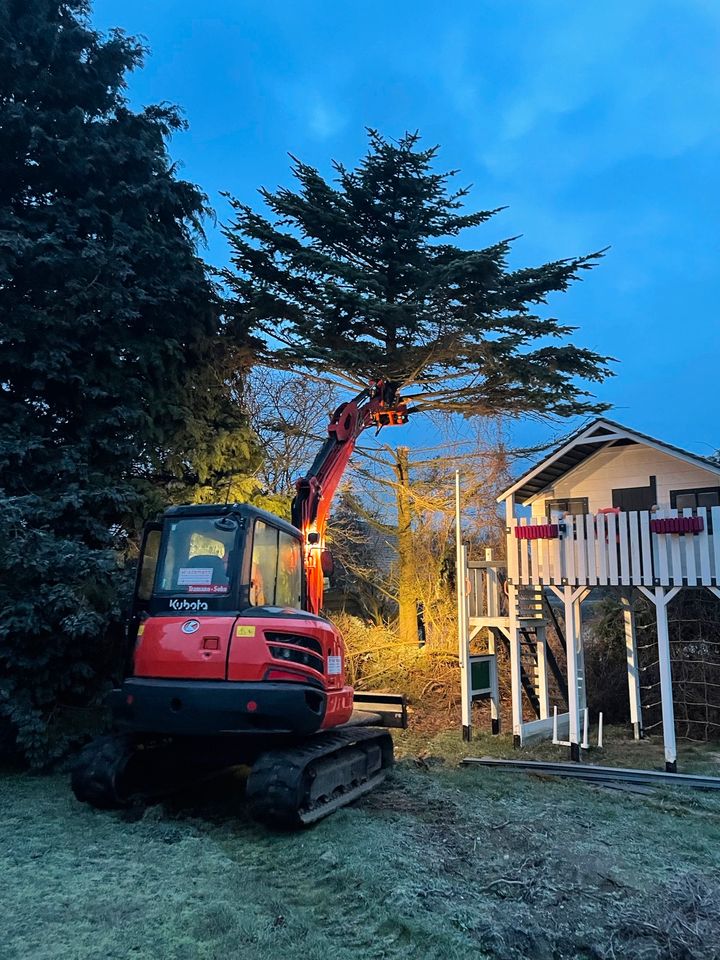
(229, 661)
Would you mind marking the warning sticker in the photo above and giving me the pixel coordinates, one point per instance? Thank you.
(334, 665)
(245, 630)
(194, 575)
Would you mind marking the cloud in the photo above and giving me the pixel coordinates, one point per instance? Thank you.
(588, 85)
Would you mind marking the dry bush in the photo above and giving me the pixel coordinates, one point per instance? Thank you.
(376, 660)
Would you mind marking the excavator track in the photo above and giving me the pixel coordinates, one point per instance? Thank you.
(288, 787)
(118, 770)
(296, 786)
(98, 773)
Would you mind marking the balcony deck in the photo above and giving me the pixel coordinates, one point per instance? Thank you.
(618, 549)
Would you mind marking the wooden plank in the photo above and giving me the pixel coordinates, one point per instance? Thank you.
(703, 548)
(534, 559)
(612, 548)
(715, 554)
(569, 545)
(622, 519)
(543, 554)
(676, 570)
(662, 571)
(635, 561)
(601, 538)
(688, 545)
(647, 551)
(513, 545)
(580, 549)
(591, 550)
(555, 574)
(524, 557)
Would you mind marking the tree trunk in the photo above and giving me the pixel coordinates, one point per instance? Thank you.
(407, 613)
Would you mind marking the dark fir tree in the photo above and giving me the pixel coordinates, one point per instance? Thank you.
(362, 277)
(113, 387)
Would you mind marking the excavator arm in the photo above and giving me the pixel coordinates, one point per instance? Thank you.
(379, 405)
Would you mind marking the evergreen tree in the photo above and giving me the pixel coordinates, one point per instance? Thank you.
(361, 278)
(114, 392)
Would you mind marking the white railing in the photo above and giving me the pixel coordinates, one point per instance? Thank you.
(616, 549)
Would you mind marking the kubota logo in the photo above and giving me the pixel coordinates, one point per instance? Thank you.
(188, 605)
(190, 626)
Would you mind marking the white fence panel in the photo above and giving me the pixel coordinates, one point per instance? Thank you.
(647, 549)
(676, 571)
(601, 540)
(589, 521)
(703, 547)
(688, 545)
(612, 539)
(622, 519)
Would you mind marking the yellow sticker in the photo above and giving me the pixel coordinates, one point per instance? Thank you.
(141, 629)
(245, 631)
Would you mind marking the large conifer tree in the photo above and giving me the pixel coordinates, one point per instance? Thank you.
(362, 278)
(113, 392)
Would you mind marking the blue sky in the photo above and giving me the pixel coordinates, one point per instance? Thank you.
(596, 123)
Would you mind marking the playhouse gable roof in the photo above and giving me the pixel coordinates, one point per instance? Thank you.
(598, 435)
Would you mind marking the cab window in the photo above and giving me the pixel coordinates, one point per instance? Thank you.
(276, 568)
(197, 557)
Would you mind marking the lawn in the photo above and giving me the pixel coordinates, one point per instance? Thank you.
(441, 862)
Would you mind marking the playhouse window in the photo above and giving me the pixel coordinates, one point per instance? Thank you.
(577, 506)
(692, 499)
(701, 497)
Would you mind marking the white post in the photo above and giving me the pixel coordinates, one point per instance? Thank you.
(668, 715)
(555, 736)
(600, 723)
(586, 729)
(514, 638)
(542, 676)
(572, 671)
(495, 689)
(463, 646)
(633, 671)
(580, 645)
(516, 684)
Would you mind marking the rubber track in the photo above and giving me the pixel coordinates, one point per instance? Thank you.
(96, 771)
(276, 783)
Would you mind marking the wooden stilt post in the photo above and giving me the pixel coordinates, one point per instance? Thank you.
(661, 599)
(495, 691)
(572, 598)
(542, 677)
(514, 636)
(580, 644)
(633, 669)
(515, 682)
(462, 615)
(571, 655)
(668, 714)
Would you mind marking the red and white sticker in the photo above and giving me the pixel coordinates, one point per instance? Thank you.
(194, 575)
(210, 588)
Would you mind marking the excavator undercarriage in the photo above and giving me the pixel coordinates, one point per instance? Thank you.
(292, 783)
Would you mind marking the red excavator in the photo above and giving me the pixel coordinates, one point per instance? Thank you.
(229, 661)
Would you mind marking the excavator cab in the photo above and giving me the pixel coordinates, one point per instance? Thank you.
(212, 558)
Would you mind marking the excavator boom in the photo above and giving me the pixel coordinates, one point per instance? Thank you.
(378, 406)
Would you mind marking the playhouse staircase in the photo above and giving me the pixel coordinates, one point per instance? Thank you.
(532, 610)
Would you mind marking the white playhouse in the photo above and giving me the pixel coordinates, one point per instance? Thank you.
(610, 508)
